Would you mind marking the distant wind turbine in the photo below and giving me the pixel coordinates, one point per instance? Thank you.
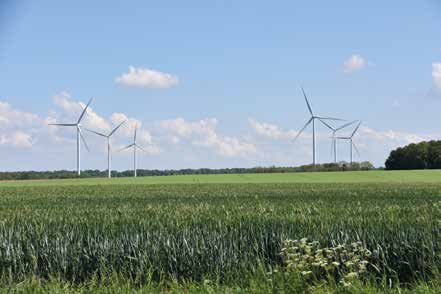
(78, 126)
(312, 120)
(135, 146)
(334, 131)
(351, 142)
(109, 157)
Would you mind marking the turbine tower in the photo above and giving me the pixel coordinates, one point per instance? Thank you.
(312, 120)
(351, 144)
(334, 141)
(109, 156)
(78, 126)
(135, 146)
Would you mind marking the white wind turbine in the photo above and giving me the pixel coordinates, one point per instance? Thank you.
(135, 146)
(351, 142)
(109, 156)
(334, 140)
(78, 126)
(312, 120)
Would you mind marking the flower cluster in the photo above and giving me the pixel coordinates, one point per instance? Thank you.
(342, 263)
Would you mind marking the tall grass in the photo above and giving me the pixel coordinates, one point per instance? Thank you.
(220, 232)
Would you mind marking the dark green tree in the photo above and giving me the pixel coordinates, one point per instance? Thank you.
(423, 155)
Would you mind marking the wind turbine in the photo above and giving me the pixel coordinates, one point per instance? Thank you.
(78, 126)
(109, 159)
(351, 141)
(135, 146)
(334, 131)
(312, 120)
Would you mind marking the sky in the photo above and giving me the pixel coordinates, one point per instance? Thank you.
(215, 84)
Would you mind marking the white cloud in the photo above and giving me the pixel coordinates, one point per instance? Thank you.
(129, 126)
(226, 146)
(354, 63)
(178, 142)
(392, 137)
(147, 78)
(152, 149)
(203, 133)
(271, 131)
(186, 129)
(17, 139)
(17, 127)
(436, 75)
(10, 117)
(64, 101)
(92, 120)
(374, 145)
(73, 109)
(118, 117)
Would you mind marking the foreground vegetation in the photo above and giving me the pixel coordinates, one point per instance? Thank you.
(227, 237)
(258, 284)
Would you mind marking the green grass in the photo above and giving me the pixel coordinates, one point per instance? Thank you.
(224, 233)
(258, 284)
(416, 176)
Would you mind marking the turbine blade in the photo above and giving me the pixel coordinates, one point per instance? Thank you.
(134, 137)
(83, 140)
(84, 110)
(141, 148)
(92, 131)
(355, 147)
(115, 129)
(300, 132)
(330, 118)
(356, 129)
(346, 125)
(307, 102)
(63, 125)
(326, 124)
(127, 147)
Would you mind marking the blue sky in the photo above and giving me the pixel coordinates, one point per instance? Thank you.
(216, 83)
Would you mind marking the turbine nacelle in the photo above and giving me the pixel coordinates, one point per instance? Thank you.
(107, 136)
(312, 120)
(350, 139)
(80, 136)
(334, 141)
(135, 147)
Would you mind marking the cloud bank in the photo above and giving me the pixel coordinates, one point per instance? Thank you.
(18, 128)
(204, 133)
(179, 141)
(271, 131)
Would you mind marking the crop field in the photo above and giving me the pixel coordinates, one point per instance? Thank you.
(413, 176)
(216, 235)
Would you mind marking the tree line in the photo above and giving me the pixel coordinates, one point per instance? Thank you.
(65, 174)
(423, 155)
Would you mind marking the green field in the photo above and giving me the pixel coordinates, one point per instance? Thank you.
(220, 233)
(417, 176)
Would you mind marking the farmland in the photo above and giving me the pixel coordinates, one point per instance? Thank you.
(377, 176)
(224, 232)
